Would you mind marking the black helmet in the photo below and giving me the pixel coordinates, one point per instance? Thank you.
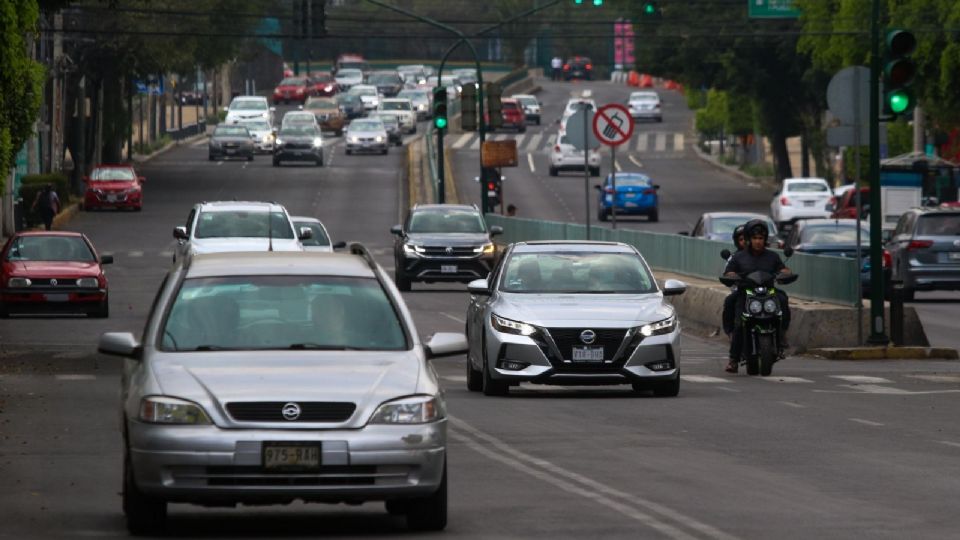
(756, 227)
(738, 234)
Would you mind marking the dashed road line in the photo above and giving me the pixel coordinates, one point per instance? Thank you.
(787, 380)
(636, 161)
(533, 169)
(792, 404)
(462, 141)
(865, 422)
(948, 443)
(454, 317)
(702, 379)
(534, 142)
(937, 378)
(862, 379)
(616, 165)
(75, 377)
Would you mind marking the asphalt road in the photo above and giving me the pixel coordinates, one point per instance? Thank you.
(820, 450)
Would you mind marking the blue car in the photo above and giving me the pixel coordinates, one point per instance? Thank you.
(636, 195)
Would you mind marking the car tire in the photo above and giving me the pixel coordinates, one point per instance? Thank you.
(4, 314)
(538, 121)
(554, 171)
(429, 513)
(250, 157)
(137, 208)
(654, 215)
(474, 377)
(102, 311)
(385, 151)
(491, 386)
(145, 515)
(667, 388)
(319, 162)
(349, 151)
(402, 282)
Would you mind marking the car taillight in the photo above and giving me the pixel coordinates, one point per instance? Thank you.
(887, 259)
(649, 192)
(589, 66)
(832, 202)
(919, 244)
(784, 201)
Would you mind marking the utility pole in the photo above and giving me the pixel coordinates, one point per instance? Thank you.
(878, 334)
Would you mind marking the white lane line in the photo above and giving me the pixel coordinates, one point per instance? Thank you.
(937, 378)
(877, 389)
(787, 380)
(678, 141)
(70, 354)
(475, 144)
(792, 404)
(462, 141)
(530, 161)
(75, 377)
(135, 254)
(534, 141)
(636, 162)
(552, 139)
(616, 165)
(949, 443)
(519, 138)
(585, 486)
(724, 388)
(642, 142)
(661, 142)
(219, 163)
(454, 317)
(166, 254)
(862, 379)
(865, 422)
(702, 379)
(455, 378)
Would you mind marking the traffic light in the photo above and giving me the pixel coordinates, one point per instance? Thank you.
(318, 18)
(440, 107)
(595, 2)
(898, 73)
(468, 107)
(650, 10)
(493, 93)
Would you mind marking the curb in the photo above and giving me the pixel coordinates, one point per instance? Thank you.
(886, 353)
(733, 170)
(140, 158)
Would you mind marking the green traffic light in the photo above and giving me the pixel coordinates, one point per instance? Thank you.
(440, 122)
(598, 2)
(898, 102)
(578, 2)
(649, 9)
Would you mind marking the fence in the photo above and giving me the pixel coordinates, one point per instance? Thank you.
(827, 279)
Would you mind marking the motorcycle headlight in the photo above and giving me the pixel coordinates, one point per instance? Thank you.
(770, 305)
(421, 107)
(755, 306)
(414, 250)
(168, 410)
(660, 327)
(328, 88)
(317, 142)
(410, 410)
(508, 326)
(485, 249)
(88, 282)
(16, 282)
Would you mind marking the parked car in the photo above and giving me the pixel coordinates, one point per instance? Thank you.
(801, 198)
(578, 67)
(261, 133)
(263, 378)
(530, 106)
(53, 272)
(836, 237)
(443, 242)
(635, 194)
(565, 157)
(402, 108)
(328, 114)
(720, 226)
(113, 186)
(220, 226)
(320, 239)
(573, 313)
(645, 105)
(348, 78)
(323, 84)
(392, 125)
(229, 141)
(244, 108)
(925, 250)
(388, 83)
(367, 135)
(847, 205)
(299, 142)
(293, 90)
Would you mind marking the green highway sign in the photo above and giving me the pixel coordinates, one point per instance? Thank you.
(772, 9)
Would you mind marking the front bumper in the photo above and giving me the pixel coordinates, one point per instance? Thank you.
(462, 269)
(207, 464)
(245, 152)
(375, 147)
(299, 154)
(51, 300)
(112, 200)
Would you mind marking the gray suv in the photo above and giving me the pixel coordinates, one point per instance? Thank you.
(263, 378)
(925, 250)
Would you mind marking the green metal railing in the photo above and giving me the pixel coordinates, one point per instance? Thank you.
(828, 279)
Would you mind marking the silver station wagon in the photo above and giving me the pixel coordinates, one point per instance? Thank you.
(264, 378)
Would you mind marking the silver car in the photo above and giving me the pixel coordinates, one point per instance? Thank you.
(264, 378)
(420, 100)
(367, 135)
(573, 313)
(219, 226)
(320, 238)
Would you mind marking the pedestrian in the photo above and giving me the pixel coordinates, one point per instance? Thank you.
(47, 203)
(556, 64)
(511, 210)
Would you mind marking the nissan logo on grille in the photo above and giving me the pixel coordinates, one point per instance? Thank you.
(588, 336)
(291, 411)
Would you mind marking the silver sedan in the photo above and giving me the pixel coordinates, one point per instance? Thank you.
(263, 378)
(573, 313)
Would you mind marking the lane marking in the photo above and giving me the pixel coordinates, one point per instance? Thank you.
(75, 377)
(219, 163)
(937, 378)
(475, 143)
(865, 422)
(616, 165)
(887, 390)
(519, 138)
(702, 379)
(678, 141)
(69, 355)
(661, 142)
(454, 317)
(462, 141)
(787, 380)
(642, 142)
(166, 254)
(636, 161)
(950, 443)
(724, 388)
(135, 254)
(455, 378)
(534, 141)
(862, 379)
(530, 161)
(552, 139)
(792, 404)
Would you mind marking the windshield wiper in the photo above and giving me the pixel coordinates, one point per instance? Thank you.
(320, 347)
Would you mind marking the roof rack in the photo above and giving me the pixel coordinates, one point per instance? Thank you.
(356, 248)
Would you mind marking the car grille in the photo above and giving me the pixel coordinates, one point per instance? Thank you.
(297, 146)
(325, 475)
(230, 146)
(311, 411)
(368, 139)
(441, 251)
(566, 339)
(61, 283)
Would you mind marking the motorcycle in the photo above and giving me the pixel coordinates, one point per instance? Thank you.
(761, 318)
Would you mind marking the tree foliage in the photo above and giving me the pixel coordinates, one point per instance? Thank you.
(21, 79)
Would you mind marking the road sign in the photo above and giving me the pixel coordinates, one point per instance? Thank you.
(848, 95)
(499, 153)
(772, 9)
(613, 125)
(577, 128)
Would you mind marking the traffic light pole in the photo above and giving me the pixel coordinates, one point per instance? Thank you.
(878, 334)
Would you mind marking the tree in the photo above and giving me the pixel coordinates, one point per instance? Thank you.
(21, 79)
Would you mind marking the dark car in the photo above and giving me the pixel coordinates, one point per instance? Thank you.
(925, 250)
(52, 271)
(388, 83)
(836, 238)
(298, 142)
(230, 141)
(578, 67)
(392, 123)
(351, 105)
(443, 242)
(720, 226)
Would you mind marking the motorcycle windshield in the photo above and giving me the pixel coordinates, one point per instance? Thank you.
(760, 278)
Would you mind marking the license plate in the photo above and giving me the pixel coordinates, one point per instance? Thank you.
(448, 269)
(955, 256)
(56, 297)
(630, 204)
(297, 153)
(809, 203)
(587, 354)
(630, 195)
(231, 151)
(287, 455)
(111, 198)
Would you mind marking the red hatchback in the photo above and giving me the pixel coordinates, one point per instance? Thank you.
(52, 272)
(513, 115)
(296, 89)
(323, 84)
(113, 186)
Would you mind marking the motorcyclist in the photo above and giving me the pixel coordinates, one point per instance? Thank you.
(755, 257)
(730, 301)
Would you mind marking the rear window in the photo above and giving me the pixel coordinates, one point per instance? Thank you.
(807, 187)
(834, 235)
(939, 225)
(632, 180)
(293, 81)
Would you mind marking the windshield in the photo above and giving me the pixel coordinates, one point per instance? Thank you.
(231, 131)
(396, 106)
(299, 118)
(577, 272)
(808, 187)
(349, 73)
(528, 101)
(366, 125)
(282, 312)
(248, 105)
(347, 98)
(412, 94)
(446, 222)
(50, 248)
(112, 174)
(302, 130)
(834, 234)
(363, 91)
(242, 224)
(320, 237)
(383, 78)
(939, 225)
(352, 66)
(631, 180)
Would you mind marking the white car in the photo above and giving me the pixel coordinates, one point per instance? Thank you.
(530, 105)
(402, 108)
(262, 134)
(244, 108)
(802, 198)
(574, 105)
(564, 157)
(368, 95)
(645, 106)
(420, 99)
(321, 238)
(348, 78)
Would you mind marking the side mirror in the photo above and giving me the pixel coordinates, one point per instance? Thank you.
(480, 287)
(119, 344)
(446, 344)
(495, 230)
(180, 233)
(788, 251)
(597, 187)
(306, 233)
(684, 233)
(725, 254)
(339, 245)
(397, 230)
(656, 186)
(106, 259)
(674, 287)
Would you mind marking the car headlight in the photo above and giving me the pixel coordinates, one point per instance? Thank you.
(411, 249)
(18, 282)
(266, 138)
(485, 249)
(88, 282)
(264, 115)
(508, 326)
(660, 327)
(755, 306)
(279, 142)
(379, 138)
(410, 410)
(421, 107)
(770, 305)
(168, 410)
(328, 88)
(354, 139)
(317, 142)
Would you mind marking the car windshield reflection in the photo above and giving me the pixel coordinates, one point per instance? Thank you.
(577, 273)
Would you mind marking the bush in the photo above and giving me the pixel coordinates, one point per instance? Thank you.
(759, 170)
